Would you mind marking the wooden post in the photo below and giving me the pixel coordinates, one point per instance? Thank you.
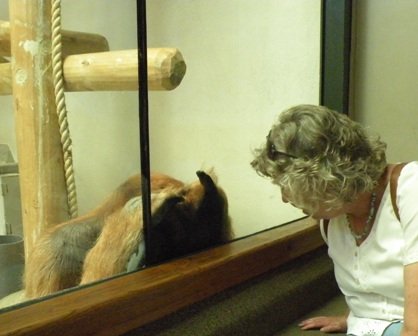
(43, 192)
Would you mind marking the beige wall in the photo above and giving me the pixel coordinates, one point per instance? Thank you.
(385, 86)
(245, 63)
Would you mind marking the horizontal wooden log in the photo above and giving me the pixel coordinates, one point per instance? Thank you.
(73, 43)
(118, 70)
(114, 71)
(166, 68)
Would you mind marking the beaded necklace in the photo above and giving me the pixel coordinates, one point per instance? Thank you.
(369, 221)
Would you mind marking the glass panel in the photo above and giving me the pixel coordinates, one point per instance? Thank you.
(103, 124)
(245, 63)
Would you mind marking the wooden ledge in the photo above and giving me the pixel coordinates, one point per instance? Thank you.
(126, 302)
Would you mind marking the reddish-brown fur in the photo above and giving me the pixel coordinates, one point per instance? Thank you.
(100, 243)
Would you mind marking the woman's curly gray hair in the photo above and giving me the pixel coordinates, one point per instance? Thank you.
(319, 156)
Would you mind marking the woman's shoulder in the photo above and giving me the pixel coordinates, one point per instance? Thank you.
(411, 164)
(409, 171)
(407, 182)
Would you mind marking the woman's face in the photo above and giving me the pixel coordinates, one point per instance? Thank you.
(322, 211)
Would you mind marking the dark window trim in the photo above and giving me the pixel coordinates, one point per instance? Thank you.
(335, 54)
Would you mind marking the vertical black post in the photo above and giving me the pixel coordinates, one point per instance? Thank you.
(335, 54)
(143, 121)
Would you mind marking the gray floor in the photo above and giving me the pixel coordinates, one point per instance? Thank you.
(336, 306)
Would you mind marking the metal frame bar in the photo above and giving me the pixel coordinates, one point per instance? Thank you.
(335, 54)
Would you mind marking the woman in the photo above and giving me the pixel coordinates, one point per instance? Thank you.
(326, 165)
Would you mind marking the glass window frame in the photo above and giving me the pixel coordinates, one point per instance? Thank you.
(128, 301)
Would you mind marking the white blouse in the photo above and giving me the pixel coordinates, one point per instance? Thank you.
(371, 275)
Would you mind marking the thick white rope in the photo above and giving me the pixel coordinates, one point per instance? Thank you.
(58, 79)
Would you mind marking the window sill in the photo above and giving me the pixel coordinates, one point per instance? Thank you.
(126, 302)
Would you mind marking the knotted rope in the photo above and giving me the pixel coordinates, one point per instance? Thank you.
(58, 80)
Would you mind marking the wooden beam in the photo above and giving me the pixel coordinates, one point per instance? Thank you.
(114, 71)
(118, 70)
(166, 68)
(72, 42)
(43, 191)
(129, 301)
